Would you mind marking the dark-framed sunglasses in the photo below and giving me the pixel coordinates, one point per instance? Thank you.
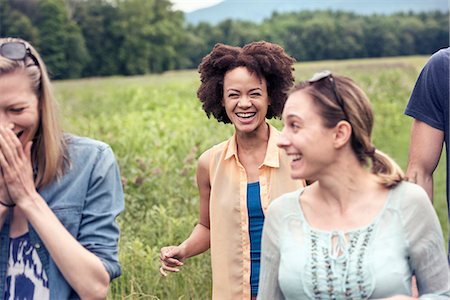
(17, 50)
(327, 75)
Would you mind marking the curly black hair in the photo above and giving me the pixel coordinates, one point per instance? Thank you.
(266, 60)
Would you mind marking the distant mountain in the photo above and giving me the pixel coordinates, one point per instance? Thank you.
(258, 10)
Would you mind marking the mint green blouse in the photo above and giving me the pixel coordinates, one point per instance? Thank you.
(377, 261)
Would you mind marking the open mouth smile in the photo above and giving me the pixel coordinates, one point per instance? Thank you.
(19, 134)
(246, 115)
(296, 157)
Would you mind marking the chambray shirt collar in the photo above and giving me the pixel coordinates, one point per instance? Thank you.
(272, 153)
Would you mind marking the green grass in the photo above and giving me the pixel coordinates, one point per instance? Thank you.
(157, 129)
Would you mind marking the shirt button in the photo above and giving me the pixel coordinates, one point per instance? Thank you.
(37, 246)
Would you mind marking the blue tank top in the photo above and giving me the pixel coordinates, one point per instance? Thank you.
(255, 224)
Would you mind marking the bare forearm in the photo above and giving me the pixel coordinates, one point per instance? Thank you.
(82, 269)
(198, 242)
(424, 154)
(422, 178)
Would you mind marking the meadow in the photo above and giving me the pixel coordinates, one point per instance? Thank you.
(157, 129)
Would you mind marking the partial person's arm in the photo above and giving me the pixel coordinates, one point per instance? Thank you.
(424, 152)
(172, 257)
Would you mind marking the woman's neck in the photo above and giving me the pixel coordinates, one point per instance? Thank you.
(258, 139)
(251, 151)
(346, 181)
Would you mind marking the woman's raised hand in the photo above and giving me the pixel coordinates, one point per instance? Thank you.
(15, 163)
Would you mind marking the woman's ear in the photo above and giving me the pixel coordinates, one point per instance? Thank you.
(342, 134)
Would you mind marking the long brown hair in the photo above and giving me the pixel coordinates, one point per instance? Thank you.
(340, 98)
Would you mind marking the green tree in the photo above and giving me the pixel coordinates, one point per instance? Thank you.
(108, 37)
(349, 36)
(409, 28)
(61, 43)
(191, 49)
(13, 23)
(75, 51)
(96, 19)
(435, 34)
(286, 30)
(381, 36)
(237, 33)
(149, 32)
(205, 36)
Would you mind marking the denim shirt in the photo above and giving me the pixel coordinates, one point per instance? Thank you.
(86, 200)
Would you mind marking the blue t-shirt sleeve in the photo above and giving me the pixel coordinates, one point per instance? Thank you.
(426, 103)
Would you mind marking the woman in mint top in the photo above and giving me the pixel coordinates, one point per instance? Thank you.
(358, 231)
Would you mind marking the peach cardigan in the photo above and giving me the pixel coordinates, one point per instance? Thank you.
(230, 241)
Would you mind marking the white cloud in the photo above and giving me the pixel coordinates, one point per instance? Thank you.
(191, 5)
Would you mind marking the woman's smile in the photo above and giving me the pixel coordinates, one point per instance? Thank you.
(245, 99)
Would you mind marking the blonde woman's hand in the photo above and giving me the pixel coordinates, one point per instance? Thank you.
(15, 162)
(171, 258)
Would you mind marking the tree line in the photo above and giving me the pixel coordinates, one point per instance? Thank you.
(83, 38)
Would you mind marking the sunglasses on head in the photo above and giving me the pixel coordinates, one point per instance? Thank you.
(327, 75)
(17, 51)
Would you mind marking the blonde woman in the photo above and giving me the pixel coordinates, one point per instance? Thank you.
(357, 232)
(59, 193)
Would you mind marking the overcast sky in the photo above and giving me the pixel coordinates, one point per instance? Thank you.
(190, 5)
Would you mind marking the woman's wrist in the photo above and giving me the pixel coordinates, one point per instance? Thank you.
(29, 202)
(8, 205)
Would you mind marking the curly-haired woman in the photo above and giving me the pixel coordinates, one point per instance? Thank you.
(238, 178)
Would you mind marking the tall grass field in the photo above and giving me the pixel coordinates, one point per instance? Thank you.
(157, 129)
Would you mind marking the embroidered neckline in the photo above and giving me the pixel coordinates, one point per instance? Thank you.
(373, 223)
